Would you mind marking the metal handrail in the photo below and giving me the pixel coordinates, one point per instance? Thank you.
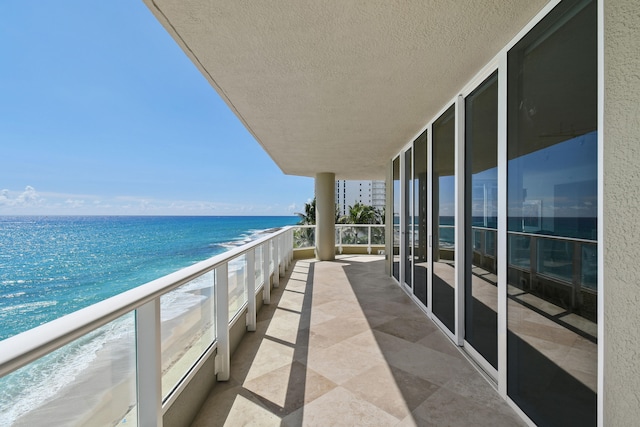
(550, 236)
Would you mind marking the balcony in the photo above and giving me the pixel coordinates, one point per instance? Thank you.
(333, 342)
(342, 344)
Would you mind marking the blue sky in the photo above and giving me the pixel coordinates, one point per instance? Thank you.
(102, 113)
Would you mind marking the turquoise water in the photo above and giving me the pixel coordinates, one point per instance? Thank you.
(52, 266)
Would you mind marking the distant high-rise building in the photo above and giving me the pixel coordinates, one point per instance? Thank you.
(348, 193)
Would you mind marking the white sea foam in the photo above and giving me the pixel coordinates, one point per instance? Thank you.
(14, 295)
(178, 302)
(27, 307)
(248, 237)
(33, 385)
(182, 299)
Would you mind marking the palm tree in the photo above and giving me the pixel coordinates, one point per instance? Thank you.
(305, 237)
(309, 215)
(362, 214)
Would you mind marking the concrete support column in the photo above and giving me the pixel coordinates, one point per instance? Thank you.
(325, 216)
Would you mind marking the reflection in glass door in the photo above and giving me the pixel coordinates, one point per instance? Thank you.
(443, 219)
(552, 198)
(420, 246)
(396, 218)
(481, 210)
(407, 231)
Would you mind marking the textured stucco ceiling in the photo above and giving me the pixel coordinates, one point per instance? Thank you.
(336, 85)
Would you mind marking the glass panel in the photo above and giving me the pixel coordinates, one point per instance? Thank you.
(481, 209)
(408, 218)
(555, 259)
(304, 237)
(443, 273)
(353, 235)
(187, 328)
(238, 284)
(361, 235)
(552, 191)
(88, 381)
(519, 251)
(396, 218)
(420, 218)
(377, 235)
(589, 267)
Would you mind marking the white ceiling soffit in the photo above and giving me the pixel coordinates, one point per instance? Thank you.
(335, 85)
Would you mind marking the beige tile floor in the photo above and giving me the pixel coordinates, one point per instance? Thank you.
(342, 345)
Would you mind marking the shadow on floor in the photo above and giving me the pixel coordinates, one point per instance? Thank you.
(342, 344)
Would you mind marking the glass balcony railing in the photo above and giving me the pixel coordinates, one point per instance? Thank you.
(188, 327)
(564, 259)
(90, 366)
(357, 235)
(304, 236)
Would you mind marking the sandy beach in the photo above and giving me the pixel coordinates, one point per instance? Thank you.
(104, 393)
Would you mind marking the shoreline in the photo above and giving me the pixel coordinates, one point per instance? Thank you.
(89, 400)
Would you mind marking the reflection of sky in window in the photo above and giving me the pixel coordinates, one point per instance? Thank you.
(561, 177)
(447, 195)
(485, 193)
(396, 197)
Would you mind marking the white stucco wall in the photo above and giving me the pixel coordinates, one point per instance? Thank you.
(621, 212)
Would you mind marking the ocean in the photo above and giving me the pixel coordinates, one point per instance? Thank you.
(52, 266)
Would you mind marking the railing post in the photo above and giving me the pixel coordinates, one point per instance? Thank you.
(533, 263)
(285, 238)
(369, 239)
(576, 297)
(222, 322)
(276, 263)
(282, 254)
(251, 290)
(340, 228)
(148, 364)
(266, 273)
(290, 246)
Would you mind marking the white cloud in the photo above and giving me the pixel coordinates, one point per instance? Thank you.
(28, 197)
(4, 197)
(74, 203)
(32, 202)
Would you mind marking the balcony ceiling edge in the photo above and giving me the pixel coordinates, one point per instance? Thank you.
(339, 86)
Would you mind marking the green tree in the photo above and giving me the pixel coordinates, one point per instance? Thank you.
(362, 214)
(309, 215)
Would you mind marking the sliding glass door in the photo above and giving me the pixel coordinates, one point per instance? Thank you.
(496, 218)
(552, 218)
(443, 272)
(481, 220)
(420, 246)
(396, 217)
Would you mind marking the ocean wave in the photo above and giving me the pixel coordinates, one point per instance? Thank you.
(30, 387)
(248, 237)
(183, 299)
(14, 295)
(27, 307)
